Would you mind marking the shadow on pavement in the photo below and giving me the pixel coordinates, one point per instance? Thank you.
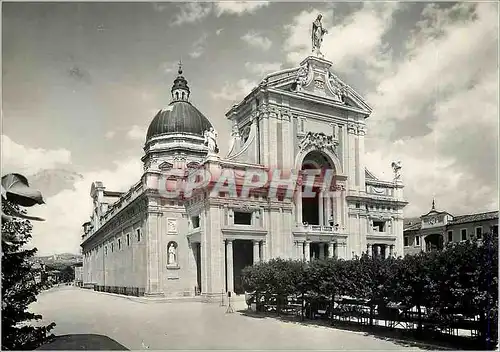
(401, 338)
(83, 342)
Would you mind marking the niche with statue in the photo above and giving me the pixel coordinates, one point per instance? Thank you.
(172, 255)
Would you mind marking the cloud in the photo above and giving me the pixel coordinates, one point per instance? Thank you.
(26, 160)
(239, 7)
(257, 40)
(196, 11)
(191, 12)
(66, 211)
(136, 133)
(199, 46)
(234, 91)
(436, 110)
(160, 7)
(354, 42)
(110, 134)
(262, 68)
(79, 74)
(168, 66)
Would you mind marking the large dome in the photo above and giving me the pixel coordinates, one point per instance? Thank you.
(178, 117)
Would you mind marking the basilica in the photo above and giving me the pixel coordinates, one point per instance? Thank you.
(144, 243)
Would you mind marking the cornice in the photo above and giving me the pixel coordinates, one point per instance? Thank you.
(117, 219)
(318, 100)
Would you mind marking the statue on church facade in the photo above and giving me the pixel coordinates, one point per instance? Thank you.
(210, 141)
(172, 255)
(396, 168)
(317, 35)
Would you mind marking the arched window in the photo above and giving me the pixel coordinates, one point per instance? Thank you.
(176, 95)
(183, 95)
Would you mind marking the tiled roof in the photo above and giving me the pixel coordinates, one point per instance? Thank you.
(411, 224)
(413, 227)
(491, 215)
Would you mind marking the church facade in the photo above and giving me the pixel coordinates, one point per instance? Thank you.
(303, 121)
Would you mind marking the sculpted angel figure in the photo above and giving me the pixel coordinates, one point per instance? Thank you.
(317, 35)
(210, 141)
(396, 167)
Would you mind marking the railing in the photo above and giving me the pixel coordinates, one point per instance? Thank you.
(318, 228)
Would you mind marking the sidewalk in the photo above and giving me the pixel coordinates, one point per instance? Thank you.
(91, 342)
(144, 299)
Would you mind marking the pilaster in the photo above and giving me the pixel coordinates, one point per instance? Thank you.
(230, 268)
(351, 156)
(360, 166)
(153, 287)
(331, 249)
(307, 251)
(256, 252)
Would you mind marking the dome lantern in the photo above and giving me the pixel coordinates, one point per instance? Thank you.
(180, 90)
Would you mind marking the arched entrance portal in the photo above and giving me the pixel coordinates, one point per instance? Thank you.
(434, 242)
(316, 209)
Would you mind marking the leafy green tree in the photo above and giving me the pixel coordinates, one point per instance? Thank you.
(19, 288)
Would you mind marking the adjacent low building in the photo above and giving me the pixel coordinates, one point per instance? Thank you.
(432, 231)
(78, 274)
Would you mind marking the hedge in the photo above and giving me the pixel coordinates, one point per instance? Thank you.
(461, 280)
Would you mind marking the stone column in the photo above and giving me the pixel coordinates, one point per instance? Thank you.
(338, 209)
(328, 210)
(378, 250)
(263, 253)
(256, 254)
(391, 250)
(386, 251)
(229, 263)
(331, 250)
(321, 209)
(300, 250)
(299, 206)
(369, 250)
(307, 251)
(321, 250)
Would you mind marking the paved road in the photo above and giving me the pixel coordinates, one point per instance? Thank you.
(188, 325)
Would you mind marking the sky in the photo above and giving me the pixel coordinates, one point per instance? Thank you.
(82, 82)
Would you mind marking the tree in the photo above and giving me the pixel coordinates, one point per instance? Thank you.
(19, 288)
(67, 274)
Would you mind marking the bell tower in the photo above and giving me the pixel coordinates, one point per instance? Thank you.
(180, 89)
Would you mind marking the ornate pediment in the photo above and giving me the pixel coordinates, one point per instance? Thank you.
(193, 165)
(314, 77)
(319, 141)
(165, 166)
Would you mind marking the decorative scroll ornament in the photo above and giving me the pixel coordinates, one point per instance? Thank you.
(318, 140)
(319, 84)
(378, 190)
(304, 75)
(352, 128)
(338, 89)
